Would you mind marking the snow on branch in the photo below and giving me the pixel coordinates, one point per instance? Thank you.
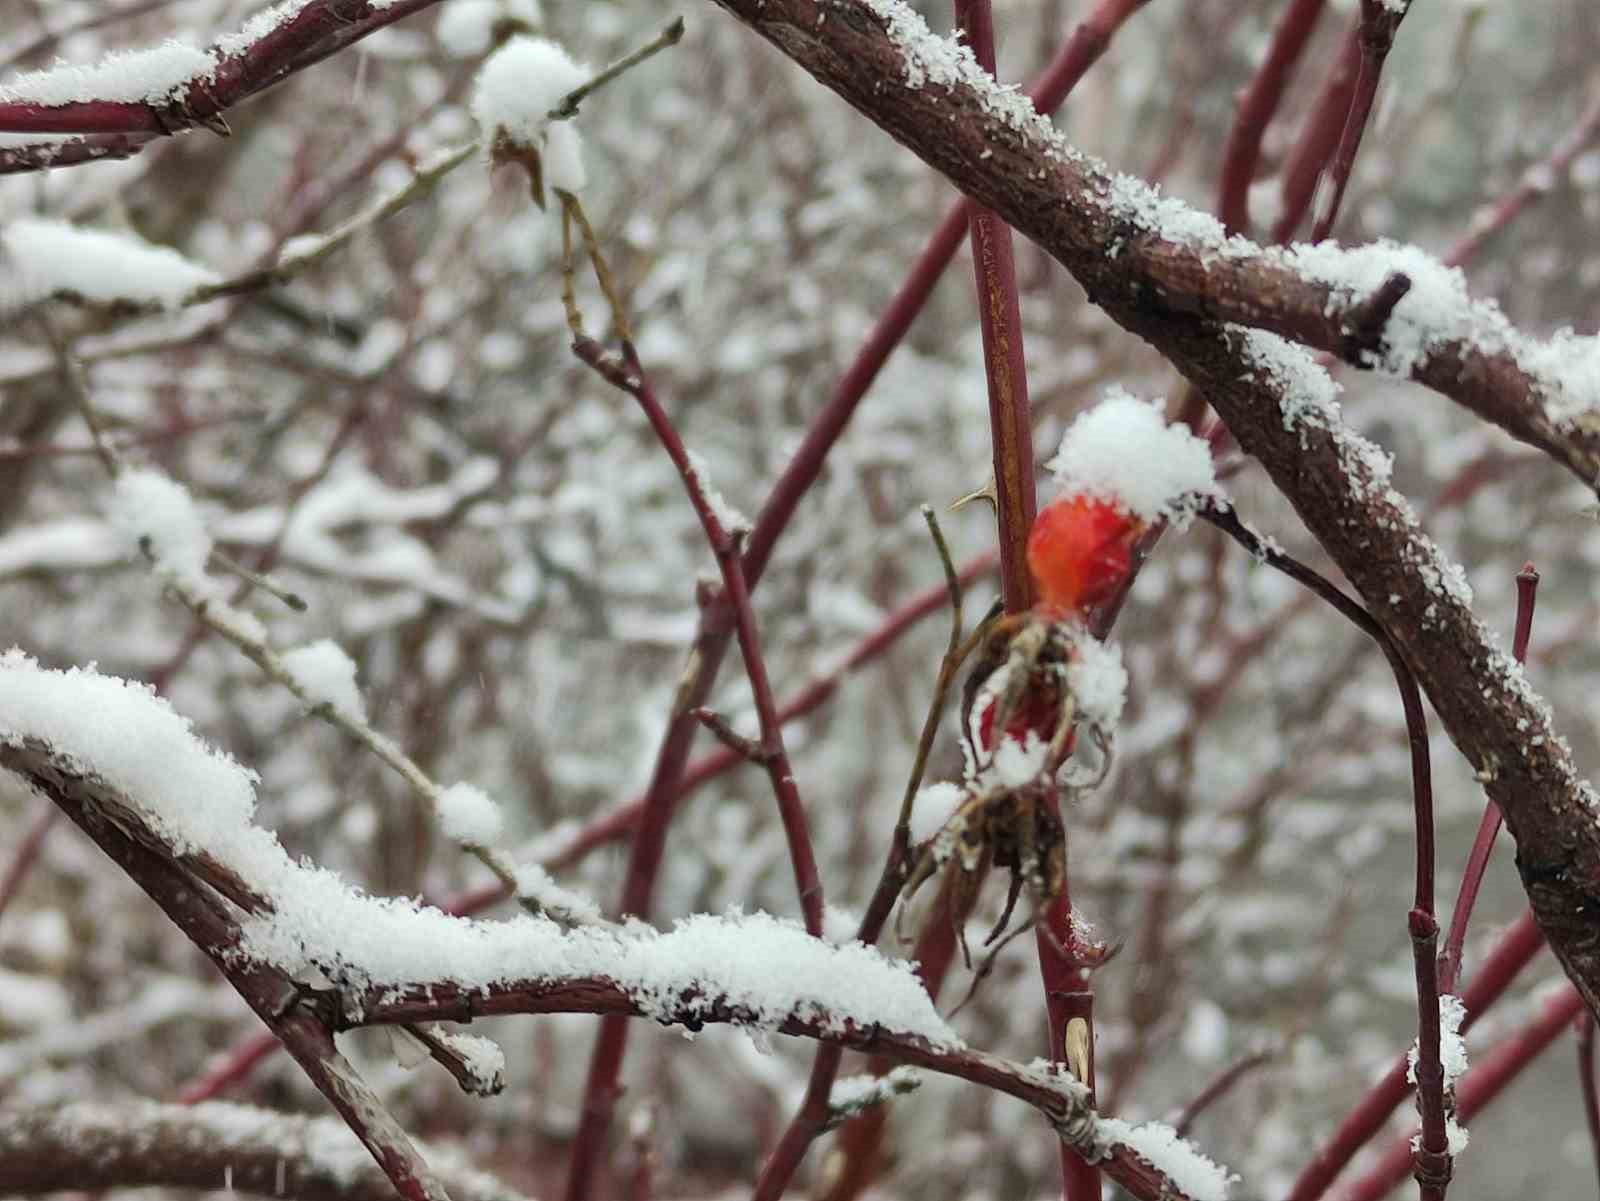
(131, 96)
(396, 961)
(202, 802)
(1146, 257)
(133, 1143)
(41, 258)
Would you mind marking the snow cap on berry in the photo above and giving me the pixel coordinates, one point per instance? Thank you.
(1124, 452)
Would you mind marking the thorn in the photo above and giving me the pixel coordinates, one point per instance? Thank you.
(1076, 1048)
(987, 492)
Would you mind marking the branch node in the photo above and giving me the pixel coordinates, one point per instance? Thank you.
(749, 748)
(1364, 323)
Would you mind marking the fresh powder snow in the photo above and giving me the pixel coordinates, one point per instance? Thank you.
(327, 676)
(517, 87)
(769, 970)
(1123, 450)
(40, 258)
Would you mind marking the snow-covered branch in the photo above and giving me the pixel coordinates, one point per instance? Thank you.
(174, 813)
(110, 108)
(1143, 256)
(132, 1143)
(1167, 273)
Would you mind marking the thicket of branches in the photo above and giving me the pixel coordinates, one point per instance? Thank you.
(497, 447)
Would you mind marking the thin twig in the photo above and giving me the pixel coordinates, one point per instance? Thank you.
(1586, 1082)
(628, 374)
(1257, 103)
(1489, 824)
(1380, 19)
(670, 36)
(1432, 1156)
(1219, 1086)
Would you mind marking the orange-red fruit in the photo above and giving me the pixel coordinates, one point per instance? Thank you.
(1078, 552)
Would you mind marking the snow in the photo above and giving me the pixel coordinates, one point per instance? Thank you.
(483, 1058)
(149, 509)
(43, 258)
(517, 87)
(1017, 764)
(1161, 1147)
(1123, 451)
(852, 1094)
(1452, 1047)
(154, 75)
(1308, 400)
(932, 808)
(466, 28)
(1435, 313)
(1097, 679)
(767, 969)
(327, 676)
(945, 62)
(537, 885)
(470, 817)
(732, 520)
(193, 796)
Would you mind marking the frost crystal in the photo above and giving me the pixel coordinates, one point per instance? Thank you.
(1097, 679)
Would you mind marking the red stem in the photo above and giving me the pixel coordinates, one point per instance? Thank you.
(629, 376)
(1219, 1087)
(1257, 104)
(1319, 138)
(1087, 43)
(1481, 1085)
(27, 855)
(1000, 320)
(1510, 955)
(1489, 824)
(1591, 1105)
(1378, 25)
(1535, 182)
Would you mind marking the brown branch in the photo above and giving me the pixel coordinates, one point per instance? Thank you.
(1059, 1098)
(1101, 229)
(101, 128)
(113, 823)
(1168, 293)
(143, 1144)
(306, 1022)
